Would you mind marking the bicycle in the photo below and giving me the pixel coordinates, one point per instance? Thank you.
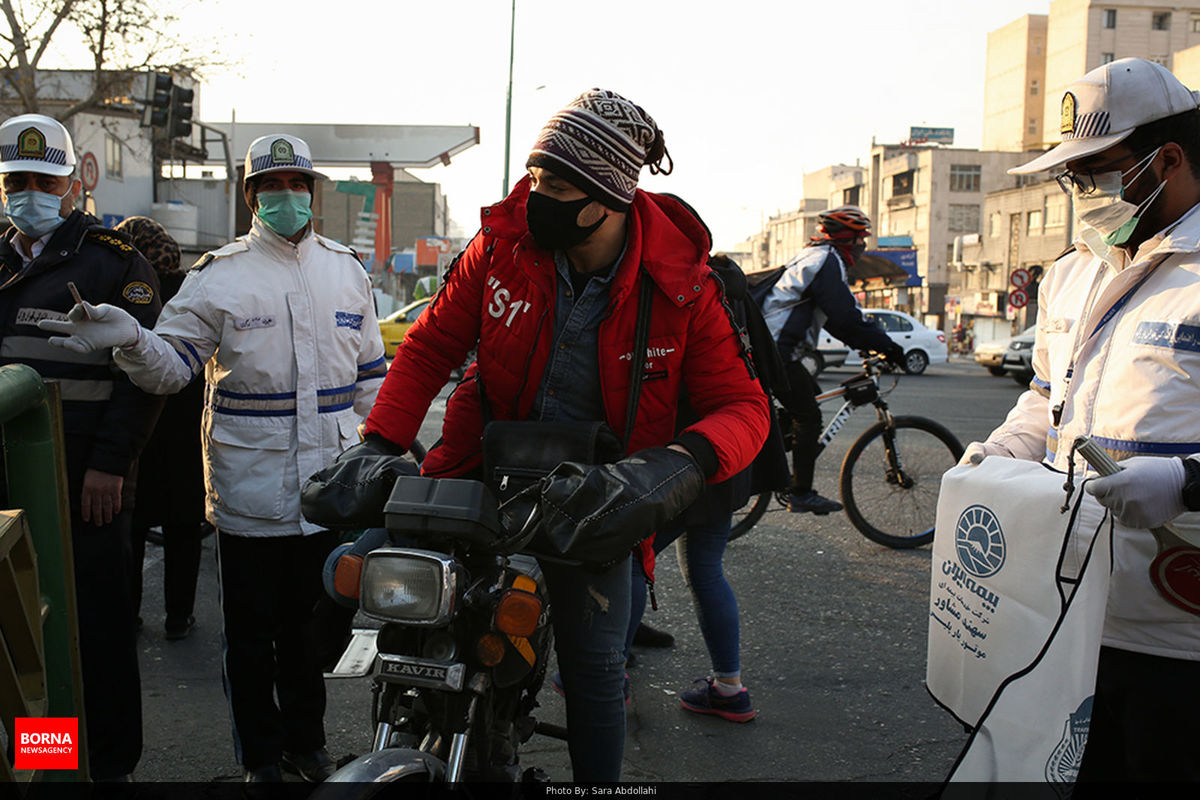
(890, 476)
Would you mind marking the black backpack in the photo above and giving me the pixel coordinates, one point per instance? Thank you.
(762, 282)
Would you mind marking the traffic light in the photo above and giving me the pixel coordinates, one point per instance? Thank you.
(167, 106)
(181, 111)
(158, 100)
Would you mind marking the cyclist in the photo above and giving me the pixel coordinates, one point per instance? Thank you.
(811, 293)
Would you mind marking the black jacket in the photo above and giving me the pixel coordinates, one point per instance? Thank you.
(106, 419)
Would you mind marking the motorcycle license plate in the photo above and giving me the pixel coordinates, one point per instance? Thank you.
(420, 672)
(358, 657)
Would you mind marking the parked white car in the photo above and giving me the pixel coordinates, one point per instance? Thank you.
(922, 346)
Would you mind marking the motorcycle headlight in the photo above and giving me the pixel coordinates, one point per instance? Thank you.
(415, 587)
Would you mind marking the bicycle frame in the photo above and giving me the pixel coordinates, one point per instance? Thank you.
(839, 419)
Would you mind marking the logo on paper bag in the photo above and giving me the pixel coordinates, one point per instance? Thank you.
(1063, 766)
(979, 542)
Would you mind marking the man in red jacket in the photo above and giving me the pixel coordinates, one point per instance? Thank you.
(548, 294)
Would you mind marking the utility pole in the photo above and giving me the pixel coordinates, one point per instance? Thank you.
(512, 38)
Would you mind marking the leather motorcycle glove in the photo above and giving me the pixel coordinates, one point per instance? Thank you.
(90, 328)
(352, 491)
(1147, 492)
(976, 452)
(596, 513)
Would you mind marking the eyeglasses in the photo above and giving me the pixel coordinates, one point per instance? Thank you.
(1086, 181)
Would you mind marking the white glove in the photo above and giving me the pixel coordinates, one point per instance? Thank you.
(90, 328)
(976, 452)
(1145, 494)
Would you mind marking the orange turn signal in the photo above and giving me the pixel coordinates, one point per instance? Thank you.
(518, 612)
(490, 649)
(347, 574)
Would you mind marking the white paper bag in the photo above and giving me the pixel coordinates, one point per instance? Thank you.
(1017, 601)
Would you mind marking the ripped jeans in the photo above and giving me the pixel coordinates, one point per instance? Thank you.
(590, 613)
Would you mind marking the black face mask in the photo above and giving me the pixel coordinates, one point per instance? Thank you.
(553, 223)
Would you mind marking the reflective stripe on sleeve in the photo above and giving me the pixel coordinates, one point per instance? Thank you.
(37, 348)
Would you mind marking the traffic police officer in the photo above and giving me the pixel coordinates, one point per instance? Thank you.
(106, 418)
(283, 323)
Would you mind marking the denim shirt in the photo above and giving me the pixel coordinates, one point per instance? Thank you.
(570, 387)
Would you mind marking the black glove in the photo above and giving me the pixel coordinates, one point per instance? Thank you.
(894, 356)
(596, 514)
(352, 491)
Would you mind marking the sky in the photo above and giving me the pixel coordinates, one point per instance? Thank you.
(750, 94)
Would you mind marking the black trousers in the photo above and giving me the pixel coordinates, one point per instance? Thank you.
(1143, 720)
(269, 585)
(800, 401)
(181, 566)
(108, 645)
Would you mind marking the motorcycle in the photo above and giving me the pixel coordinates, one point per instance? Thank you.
(465, 636)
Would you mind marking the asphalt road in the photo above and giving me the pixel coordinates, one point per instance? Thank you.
(833, 648)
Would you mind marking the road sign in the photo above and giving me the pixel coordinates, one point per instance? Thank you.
(89, 171)
(1020, 278)
(1017, 298)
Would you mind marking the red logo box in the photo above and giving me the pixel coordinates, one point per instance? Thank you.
(47, 743)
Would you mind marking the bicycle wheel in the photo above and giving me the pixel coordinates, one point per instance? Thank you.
(748, 515)
(891, 478)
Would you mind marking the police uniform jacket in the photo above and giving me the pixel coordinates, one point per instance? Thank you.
(288, 340)
(1117, 357)
(106, 419)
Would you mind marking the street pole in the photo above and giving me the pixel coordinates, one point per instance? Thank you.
(512, 37)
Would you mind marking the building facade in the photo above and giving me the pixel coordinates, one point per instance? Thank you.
(1025, 230)
(933, 195)
(1015, 85)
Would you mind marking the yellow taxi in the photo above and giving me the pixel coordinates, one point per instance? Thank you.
(393, 327)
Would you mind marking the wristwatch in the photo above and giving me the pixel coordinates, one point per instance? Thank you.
(1191, 484)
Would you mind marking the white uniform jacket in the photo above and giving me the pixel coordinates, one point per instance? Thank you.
(289, 342)
(1118, 351)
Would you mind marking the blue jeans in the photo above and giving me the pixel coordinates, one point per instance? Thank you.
(699, 553)
(590, 612)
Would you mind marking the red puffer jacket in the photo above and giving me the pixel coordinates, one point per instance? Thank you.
(501, 294)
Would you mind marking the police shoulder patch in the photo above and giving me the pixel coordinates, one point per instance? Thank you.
(233, 248)
(138, 293)
(112, 240)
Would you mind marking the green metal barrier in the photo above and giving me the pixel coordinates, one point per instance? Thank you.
(37, 483)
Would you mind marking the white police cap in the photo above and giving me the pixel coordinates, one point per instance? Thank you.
(1103, 107)
(36, 143)
(277, 152)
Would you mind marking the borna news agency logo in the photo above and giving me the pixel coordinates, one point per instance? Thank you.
(46, 743)
(979, 542)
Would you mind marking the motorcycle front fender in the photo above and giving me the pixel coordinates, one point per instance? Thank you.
(383, 766)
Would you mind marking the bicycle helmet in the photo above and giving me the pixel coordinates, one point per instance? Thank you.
(844, 220)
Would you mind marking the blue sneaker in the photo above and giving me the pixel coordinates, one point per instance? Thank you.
(707, 700)
(557, 685)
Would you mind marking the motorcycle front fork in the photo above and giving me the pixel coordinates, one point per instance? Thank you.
(458, 742)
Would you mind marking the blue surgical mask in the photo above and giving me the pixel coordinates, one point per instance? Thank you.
(285, 211)
(34, 213)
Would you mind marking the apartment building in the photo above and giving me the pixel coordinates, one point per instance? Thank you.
(837, 185)
(1015, 84)
(932, 195)
(788, 232)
